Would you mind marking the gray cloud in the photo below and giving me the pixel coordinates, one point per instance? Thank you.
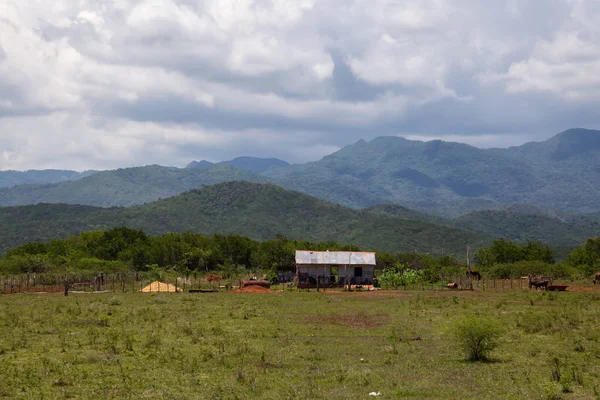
(105, 84)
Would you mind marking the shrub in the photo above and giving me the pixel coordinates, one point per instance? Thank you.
(399, 275)
(478, 336)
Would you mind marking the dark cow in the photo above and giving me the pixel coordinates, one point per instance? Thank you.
(473, 274)
(597, 278)
(538, 284)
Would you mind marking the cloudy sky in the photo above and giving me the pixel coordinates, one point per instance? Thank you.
(113, 83)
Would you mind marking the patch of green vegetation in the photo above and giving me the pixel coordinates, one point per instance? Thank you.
(292, 345)
(477, 336)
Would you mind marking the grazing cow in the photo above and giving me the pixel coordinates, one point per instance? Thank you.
(597, 278)
(473, 274)
(538, 284)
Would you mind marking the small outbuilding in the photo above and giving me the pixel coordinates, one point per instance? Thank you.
(334, 268)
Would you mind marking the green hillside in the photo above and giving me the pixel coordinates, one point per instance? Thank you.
(259, 211)
(450, 179)
(521, 222)
(33, 177)
(124, 187)
(521, 227)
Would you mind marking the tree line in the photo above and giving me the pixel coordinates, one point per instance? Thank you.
(125, 249)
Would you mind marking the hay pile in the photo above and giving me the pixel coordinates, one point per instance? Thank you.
(160, 287)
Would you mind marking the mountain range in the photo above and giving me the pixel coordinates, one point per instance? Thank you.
(446, 179)
(261, 211)
(251, 164)
(449, 179)
(13, 178)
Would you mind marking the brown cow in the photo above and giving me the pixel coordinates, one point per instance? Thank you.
(473, 274)
(597, 278)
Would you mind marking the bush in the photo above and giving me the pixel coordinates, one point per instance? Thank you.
(524, 268)
(478, 336)
(399, 275)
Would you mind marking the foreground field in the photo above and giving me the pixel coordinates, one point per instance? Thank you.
(295, 345)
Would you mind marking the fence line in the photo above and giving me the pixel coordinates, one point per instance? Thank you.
(127, 282)
(123, 282)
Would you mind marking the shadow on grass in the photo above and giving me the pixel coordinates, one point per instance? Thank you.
(490, 361)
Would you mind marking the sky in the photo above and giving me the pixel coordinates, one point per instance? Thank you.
(102, 84)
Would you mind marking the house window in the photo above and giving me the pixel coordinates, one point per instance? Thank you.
(358, 271)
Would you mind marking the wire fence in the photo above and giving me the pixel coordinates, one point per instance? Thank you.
(129, 282)
(122, 282)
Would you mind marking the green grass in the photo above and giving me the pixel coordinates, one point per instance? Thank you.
(296, 345)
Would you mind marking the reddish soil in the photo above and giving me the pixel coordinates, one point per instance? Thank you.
(254, 289)
(34, 289)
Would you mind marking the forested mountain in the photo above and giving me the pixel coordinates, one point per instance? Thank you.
(535, 227)
(13, 178)
(124, 187)
(259, 211)
(450, 179)
(520, 222)
(251, 164)
(438, 178)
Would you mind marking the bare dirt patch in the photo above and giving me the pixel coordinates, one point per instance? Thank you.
(354, 319)
(254, 289)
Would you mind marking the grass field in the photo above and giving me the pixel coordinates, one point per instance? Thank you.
(296, 345)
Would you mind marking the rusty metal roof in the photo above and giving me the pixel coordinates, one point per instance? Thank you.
(335, 257)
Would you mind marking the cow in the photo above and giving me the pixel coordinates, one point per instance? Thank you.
(538, 284)
(473, 274)
(597, 278)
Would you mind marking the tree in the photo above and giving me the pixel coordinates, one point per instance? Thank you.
(279, 252)
(506, 252)
(197, 259)
(587, 256)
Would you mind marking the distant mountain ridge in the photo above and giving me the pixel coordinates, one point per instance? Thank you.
(436, 177)
(252, 164)
(125, 187)
(451, 179)
(14, 178)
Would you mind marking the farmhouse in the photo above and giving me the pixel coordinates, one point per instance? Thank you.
(334, 268)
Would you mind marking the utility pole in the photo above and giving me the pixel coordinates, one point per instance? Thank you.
(468, 258)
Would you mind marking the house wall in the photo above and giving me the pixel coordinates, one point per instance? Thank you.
(368, 272)
(324, 271)
(315, 270)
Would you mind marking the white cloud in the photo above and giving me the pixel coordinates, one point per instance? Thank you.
(98, 84)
